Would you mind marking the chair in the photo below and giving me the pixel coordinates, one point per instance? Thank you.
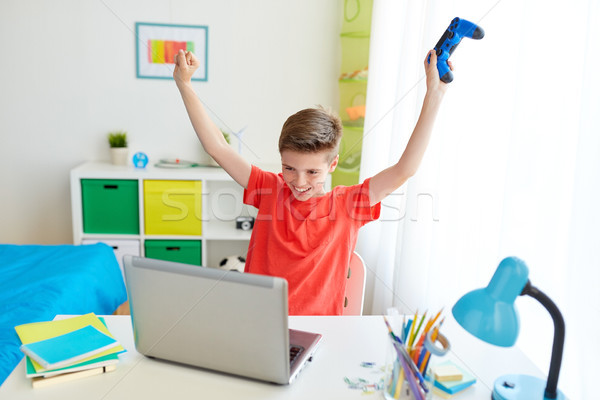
(355, 286)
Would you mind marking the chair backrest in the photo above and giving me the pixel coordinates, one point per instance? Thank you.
(355, 286)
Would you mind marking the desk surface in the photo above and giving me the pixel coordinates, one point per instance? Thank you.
(347, 341)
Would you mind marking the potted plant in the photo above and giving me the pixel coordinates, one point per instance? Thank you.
(118, 147)
(226, 136)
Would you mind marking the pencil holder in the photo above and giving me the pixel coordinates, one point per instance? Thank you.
(398, 384)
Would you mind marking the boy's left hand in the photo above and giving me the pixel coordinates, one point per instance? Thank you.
(433, 78)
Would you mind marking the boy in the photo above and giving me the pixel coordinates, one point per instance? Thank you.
(302, 233)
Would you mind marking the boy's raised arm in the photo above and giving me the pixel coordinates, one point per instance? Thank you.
(209, 134)
(390, 179)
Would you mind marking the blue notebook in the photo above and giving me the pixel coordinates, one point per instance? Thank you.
(69, 348)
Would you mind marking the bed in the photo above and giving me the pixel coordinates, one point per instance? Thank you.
(38, 282)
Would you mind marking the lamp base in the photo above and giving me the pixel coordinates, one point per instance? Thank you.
(521, 387)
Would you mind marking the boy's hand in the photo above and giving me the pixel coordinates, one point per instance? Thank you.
(433, 78)
(186, 64)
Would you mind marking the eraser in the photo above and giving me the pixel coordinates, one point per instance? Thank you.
(447, 373)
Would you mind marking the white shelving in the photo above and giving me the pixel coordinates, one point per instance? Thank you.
(221, 204)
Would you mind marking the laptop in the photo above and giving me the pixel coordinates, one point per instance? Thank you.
(225, 321)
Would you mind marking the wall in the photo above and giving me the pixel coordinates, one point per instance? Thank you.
(68, 78)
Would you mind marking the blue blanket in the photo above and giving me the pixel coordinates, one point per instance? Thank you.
(39, 282)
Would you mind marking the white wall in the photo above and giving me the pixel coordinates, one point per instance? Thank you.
(68, 77)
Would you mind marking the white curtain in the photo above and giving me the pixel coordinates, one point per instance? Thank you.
(513, 167)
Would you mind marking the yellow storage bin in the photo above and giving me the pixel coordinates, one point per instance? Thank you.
(173, 207)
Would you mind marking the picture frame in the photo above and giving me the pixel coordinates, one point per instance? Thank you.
(157, 44)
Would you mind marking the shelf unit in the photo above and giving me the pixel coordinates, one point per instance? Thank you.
(355, 43)
(221, 203)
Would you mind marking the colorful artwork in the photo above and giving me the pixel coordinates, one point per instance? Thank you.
(164, 51)
(157, 45)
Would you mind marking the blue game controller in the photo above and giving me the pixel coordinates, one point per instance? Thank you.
(458, 29)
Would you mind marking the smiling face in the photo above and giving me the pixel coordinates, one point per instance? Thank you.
(305, 173)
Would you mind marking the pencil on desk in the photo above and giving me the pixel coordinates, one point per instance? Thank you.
(70, 376)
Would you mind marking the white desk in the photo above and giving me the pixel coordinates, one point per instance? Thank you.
(347, 341)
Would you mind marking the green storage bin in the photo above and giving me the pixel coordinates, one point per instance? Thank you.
(348, 169)
(357, 18)
(183, 251)
(110, 206)
(352, 93)
(355, 53)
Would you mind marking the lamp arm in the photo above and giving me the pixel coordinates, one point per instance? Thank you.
(559, 337)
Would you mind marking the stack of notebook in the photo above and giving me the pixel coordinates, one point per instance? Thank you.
(451, 380)
(67, 349)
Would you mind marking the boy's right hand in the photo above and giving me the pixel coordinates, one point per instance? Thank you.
(186, 64)
(434, 83)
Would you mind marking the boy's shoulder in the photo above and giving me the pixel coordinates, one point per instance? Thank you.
(358, 187)
(260, 176)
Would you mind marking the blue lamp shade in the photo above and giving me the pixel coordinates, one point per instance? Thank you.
(490, 313)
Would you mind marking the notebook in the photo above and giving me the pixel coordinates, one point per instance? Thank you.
(225, 321)
(69, 348)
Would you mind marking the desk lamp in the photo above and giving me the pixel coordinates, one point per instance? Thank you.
(490, 315)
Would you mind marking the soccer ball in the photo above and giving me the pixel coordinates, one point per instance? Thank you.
(233, 263)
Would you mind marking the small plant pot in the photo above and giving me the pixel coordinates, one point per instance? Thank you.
(119, 155)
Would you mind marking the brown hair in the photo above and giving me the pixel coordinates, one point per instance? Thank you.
(312, 130)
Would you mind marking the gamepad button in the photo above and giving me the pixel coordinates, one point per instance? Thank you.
(478, 33)
(448, 77)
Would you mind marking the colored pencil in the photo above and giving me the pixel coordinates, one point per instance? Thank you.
(412, 329)
(428, 326)
(406, 329)
(399, 384)
(434, 336)
(412, 382)
(418, 328)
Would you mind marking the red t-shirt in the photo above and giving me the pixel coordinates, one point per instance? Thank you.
(309, 243)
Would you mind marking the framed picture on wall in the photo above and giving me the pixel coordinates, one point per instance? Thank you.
(157, 45)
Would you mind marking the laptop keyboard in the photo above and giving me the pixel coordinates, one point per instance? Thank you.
(295, 351)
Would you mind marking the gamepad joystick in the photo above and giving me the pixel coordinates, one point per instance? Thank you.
(457, 30)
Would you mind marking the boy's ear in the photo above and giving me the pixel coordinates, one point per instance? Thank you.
(334, 163)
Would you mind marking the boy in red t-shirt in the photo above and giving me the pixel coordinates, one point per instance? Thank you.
(302, 233)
